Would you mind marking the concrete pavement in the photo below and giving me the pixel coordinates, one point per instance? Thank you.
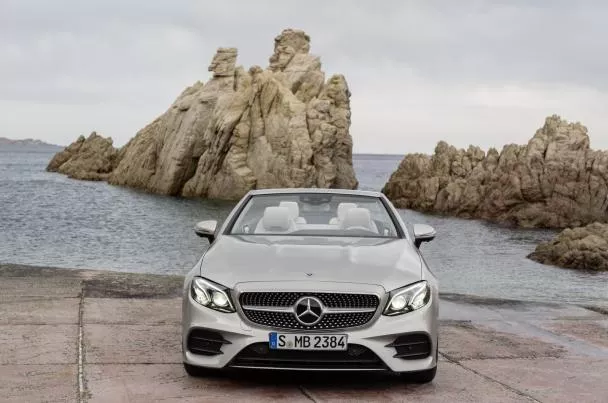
(76, 335)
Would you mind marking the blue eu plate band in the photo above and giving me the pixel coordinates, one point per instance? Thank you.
(273, 340)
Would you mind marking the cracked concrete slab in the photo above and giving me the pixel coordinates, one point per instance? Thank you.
(452, 384)
(550, 380)
(42, 288)
(133, 344)
(132, 348)
(145, 383)
(143, 311)
(593, 332)
(38, 344)
(31, 383)
(464, 340)
(39, 311)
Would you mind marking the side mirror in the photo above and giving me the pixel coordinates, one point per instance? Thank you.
(423, 233)
(206, 229)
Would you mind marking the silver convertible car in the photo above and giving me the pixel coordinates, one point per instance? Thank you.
(312, 279)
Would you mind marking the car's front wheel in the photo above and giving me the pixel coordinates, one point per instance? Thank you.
(199, 372)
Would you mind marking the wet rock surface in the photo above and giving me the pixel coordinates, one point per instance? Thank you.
(584, 248)
(90, 158)
(283, 126)
(490, 350)
(554, 181)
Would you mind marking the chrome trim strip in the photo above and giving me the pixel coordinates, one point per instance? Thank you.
(291, 309)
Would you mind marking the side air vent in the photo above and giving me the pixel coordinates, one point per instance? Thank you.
(413, 346)
(205, 342)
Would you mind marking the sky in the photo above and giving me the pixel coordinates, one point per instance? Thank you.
(468, 72)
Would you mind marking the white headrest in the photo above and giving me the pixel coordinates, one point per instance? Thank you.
(358, 217)
(276, 219)
(294, 209)
(343, 208)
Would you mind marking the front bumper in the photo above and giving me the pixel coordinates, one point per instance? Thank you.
(376, 336)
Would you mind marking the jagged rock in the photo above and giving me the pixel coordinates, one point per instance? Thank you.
(554, 181)
(280, 127)
(583, 248)
(91, 158)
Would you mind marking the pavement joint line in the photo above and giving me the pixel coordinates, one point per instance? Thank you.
(37, 324)
(307, 393)
(136, 363)
(489, 378)
(81, 391)
(506, 358)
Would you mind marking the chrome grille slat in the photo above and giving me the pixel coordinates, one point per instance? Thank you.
(342, 310)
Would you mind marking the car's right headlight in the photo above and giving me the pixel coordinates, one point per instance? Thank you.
(408, 299)
(211, 295)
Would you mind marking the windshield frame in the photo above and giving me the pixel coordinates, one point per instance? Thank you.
(400, 231)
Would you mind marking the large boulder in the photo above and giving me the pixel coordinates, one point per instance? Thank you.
(554, 181)
(583, 248)
(91, 158)
(285, 126)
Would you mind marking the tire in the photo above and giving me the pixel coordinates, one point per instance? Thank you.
(425, 376)
(199, 372)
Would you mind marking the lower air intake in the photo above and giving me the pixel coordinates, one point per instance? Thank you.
(356, 357)
(414, 346)
(205, 342)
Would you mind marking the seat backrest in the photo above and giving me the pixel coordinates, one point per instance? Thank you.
(294, 211)
(275, 220)
(341, 212)
(357, 217)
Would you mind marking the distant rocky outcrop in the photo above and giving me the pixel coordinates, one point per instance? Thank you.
(27, 144)
(285, 126)
(554, 181)
(583, 248)
(91, 158)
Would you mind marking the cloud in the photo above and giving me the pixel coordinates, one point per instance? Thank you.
(481, 72)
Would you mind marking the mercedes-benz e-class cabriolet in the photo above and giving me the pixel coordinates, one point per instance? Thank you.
(312, 279)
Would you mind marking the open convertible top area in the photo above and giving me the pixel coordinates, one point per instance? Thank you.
(316, 213)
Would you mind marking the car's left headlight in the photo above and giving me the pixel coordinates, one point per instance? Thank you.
(211, 295)
(407, 299)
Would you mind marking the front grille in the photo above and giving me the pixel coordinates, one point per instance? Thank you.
(412, 346)
(288, 320)
(258, 308)
(205, 342)
(259, 355)
(330, 300)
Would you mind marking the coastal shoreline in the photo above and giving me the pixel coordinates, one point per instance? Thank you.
(90, 335)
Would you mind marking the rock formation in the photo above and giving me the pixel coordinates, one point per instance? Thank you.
(554, 181)
(280, 127)
(583, 248)
(91, 158)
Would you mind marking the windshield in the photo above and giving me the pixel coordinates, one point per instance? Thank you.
(315, 214)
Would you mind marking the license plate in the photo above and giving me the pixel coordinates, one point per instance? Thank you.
(286, 341)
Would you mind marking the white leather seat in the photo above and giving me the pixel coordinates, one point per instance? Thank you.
(275, 220)
(342, 209)
(359, 218)
(294, 211)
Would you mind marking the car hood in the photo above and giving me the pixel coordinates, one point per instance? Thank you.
(234, 259)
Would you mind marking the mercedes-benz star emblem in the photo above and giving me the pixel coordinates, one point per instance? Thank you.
(308, 310)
